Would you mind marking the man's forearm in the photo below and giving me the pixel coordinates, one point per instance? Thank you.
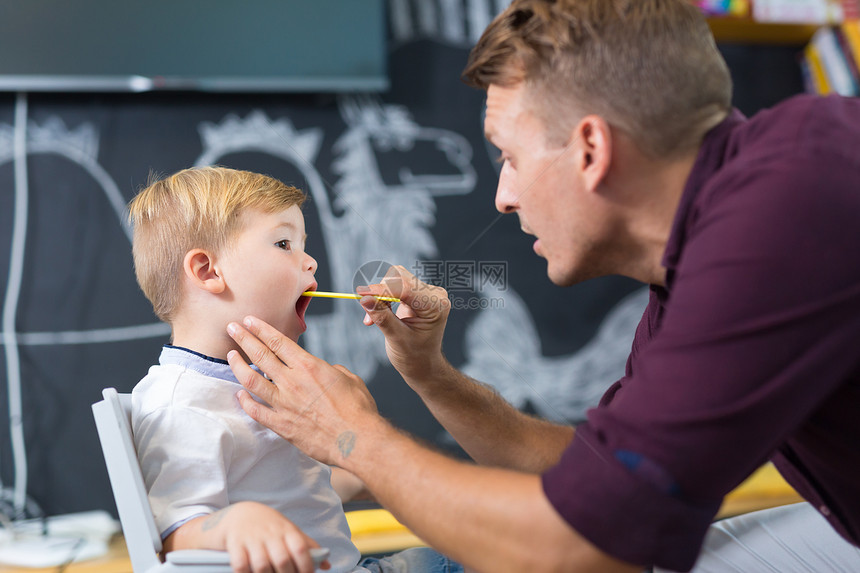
(486, 426)
(489, 519)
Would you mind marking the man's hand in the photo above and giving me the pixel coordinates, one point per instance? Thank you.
(258, 538)
(413, 336)
(317, 407)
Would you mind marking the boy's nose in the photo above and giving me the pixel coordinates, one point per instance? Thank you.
(311, 264)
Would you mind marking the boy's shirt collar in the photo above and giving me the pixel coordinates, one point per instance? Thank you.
(206, 365)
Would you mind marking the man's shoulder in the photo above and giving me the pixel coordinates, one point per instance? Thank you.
(800, 150)
(803, 125)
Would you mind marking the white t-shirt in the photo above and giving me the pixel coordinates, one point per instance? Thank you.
(200, 452)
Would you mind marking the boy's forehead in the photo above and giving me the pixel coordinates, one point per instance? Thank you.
(289, 218)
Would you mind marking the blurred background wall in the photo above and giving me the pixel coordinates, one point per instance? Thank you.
(401, 176)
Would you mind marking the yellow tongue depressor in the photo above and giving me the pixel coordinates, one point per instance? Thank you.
(322, 294)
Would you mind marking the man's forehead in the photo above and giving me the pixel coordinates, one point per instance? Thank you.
(504, 103)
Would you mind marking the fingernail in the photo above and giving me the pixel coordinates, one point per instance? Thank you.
(362, 289)
(230, 354)
(232, 329)
(248, 320)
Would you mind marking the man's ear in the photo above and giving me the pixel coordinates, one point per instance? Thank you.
(200, 268)
(595, 149)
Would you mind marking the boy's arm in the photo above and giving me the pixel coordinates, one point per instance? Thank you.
(187, 476)
(257, 537)
(348, 486)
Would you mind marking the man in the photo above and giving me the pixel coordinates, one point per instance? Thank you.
(622, 155)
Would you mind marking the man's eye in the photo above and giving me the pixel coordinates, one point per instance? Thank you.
(285, 244)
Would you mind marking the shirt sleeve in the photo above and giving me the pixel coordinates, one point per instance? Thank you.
(184, 455)
(759, 329)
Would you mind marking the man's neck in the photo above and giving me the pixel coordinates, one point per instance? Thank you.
(649, 193)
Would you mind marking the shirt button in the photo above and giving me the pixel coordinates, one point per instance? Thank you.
(825, 511)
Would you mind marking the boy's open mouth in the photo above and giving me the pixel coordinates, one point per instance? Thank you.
(302, 307)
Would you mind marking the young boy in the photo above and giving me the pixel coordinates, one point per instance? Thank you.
(212, 245)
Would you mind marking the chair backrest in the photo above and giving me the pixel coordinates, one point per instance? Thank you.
(113, 422)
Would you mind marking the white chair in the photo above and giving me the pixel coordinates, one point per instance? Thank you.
(113, 422)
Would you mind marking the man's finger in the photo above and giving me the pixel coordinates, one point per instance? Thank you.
(343, 369)
(250, 378)
(257, 411)
(395, 282)
(263, 344)
(381, 315)
(282, 346)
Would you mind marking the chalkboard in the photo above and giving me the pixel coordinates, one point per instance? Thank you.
(404, 177)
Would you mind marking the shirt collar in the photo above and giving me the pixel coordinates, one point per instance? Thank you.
(709, 160)
(206, 365)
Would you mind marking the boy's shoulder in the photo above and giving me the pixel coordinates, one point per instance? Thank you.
(176, 386)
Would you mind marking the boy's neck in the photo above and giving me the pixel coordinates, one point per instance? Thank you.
(202, 337)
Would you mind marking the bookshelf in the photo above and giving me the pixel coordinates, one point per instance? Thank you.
(830, 60)
(730, 30)
(826, 33)
(774, 22)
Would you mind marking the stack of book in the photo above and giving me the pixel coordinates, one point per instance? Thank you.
(778, 11)
(734, 8)
(821, 12)
(830, 60)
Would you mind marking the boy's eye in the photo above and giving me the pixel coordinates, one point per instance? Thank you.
(284, 244)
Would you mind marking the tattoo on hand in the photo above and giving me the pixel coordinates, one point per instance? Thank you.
(214, 519)
(345, 443)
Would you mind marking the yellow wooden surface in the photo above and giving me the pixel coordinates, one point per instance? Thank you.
(375, 531)
(115, 561)
(764, 488)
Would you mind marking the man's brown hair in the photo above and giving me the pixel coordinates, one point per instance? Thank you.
(648, 67)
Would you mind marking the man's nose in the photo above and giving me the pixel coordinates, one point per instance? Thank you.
(506, 195)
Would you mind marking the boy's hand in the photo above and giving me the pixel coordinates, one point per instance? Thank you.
(317, 407)
(258, 538)
(413, 336)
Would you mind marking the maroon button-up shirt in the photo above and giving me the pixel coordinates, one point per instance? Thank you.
(751, 352)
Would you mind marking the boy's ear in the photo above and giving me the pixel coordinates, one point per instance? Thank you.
(199, 266)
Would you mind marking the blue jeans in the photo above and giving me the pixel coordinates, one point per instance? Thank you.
(415, 560)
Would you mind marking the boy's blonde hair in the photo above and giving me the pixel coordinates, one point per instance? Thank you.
(649, 67)
(194, 208)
